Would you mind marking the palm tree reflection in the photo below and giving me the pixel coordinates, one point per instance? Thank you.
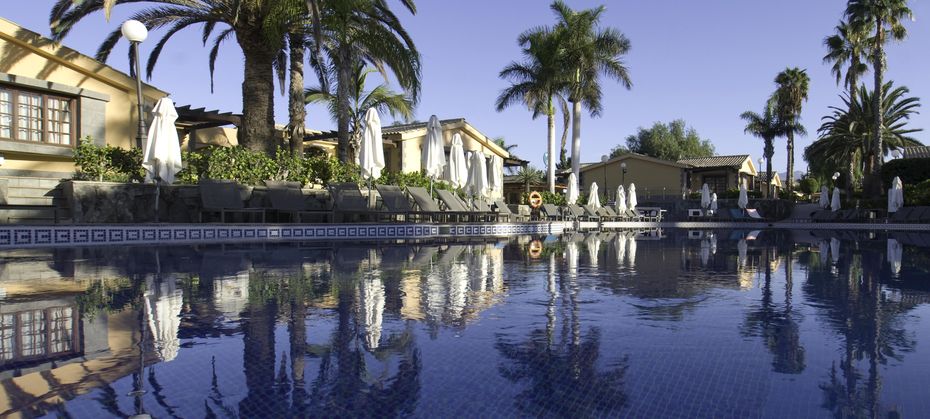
(857, 306)
(564, 378)
(778, 328)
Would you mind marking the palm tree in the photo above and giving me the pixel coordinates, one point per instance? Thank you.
(529, 176)
(767, 127)
(846, 134)
(537, 82)
(366, 31)
(587, 52)
(380, 98)
(787, 100)
(246, 20)
(885, 18)
(846, 49)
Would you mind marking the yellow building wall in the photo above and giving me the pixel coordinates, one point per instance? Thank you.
(26, 54)
(650, 178)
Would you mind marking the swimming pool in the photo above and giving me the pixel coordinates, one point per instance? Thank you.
(671, 323)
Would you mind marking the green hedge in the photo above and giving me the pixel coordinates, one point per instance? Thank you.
(909, 170)
(917, 194)
(253, 167)
(107, 163)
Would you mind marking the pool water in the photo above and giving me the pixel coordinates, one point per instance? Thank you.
(670, 323)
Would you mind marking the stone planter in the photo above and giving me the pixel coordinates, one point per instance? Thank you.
(115, 202)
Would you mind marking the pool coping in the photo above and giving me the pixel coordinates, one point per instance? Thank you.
(68, 235)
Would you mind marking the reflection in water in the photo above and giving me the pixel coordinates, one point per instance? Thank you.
(648, 325)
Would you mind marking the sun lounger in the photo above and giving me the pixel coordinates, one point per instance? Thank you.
(608, 213)
(577, 213)
(288, 198)
(901, 215)
(224, 197)
(738, 214)
(455, 205)
(503, 211)
(591, 213)
(395, 203)
(824, 216)
(551, 212)
(348, 201)
(484, 210)
(426, 203)
(754, 215)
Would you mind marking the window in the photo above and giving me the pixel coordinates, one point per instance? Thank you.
(36, 117)
(35, 335)
(717, 184)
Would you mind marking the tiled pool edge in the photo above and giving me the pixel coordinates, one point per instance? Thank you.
(26, 236)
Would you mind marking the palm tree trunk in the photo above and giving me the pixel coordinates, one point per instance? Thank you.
(297, 111)
(789, 178)
(256, 132)
(576, 139)
(878, 66)
(346, 150)
(550, 170)
(768, 174)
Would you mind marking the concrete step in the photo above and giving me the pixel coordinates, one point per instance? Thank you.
(21, 200)
(29, 191)
(31, 182)
(29, 216)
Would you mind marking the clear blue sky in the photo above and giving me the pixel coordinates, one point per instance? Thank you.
(705, 62)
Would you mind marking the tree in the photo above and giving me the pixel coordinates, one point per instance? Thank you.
(885, 18)
(846, 49)
(587, 52)
(788, 97)
(381, 98)
(672, 141)
(528, 176)
(537, 83)
(767, 127)
(366, 31)
(246, 21)
(845, 137)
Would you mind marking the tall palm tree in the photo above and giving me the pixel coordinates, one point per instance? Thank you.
(381, 98)
(885, 18)
(366, 31)
(767, 127)
(536, 83)
(587, 52)
(246, 20)
(788, 98)
(846, 135)
(846, 50)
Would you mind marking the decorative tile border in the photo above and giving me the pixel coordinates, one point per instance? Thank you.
(761, 226)
(95, 235)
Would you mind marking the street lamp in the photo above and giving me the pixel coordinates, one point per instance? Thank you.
(623, 169)
(759, 175)
(135, 32)
(836, 175)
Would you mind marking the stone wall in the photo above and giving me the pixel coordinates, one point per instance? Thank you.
(112, 202)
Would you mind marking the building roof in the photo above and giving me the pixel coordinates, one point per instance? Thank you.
(763, 177)
(917, 152)
(59, 55)
(734, 161)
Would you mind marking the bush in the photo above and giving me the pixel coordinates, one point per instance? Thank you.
(909, 170)
(253, 167)
(809, 185)
(107, 163)
(917, 194)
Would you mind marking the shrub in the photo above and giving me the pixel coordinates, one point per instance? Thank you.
(809, 185)
(107, 163)
(909, 170)
(917, 194)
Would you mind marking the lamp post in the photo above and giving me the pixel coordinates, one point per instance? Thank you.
(135, 32)
(759, 175)
(623, 170)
